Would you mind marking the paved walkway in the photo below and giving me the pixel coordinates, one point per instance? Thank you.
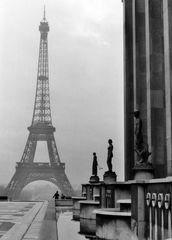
(25, 220)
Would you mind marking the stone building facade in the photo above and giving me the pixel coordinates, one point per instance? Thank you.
(148, 80)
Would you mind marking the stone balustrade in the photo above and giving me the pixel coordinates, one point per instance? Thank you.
(158, 209)
(144, 205)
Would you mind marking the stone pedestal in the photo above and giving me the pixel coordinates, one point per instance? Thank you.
(88, 217)
(94, 179)
(76, 207)
(88, 228)
(111, 224)
(143, 172)
(109, 177)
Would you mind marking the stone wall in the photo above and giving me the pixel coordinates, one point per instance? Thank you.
(147, 80)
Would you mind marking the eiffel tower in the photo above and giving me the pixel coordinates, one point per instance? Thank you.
(41, 129)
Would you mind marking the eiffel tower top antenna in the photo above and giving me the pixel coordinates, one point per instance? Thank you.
(44, 16)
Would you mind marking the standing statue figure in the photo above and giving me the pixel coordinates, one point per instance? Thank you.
(141, 148)
(138, 130)
(110, 155)
(95, 164)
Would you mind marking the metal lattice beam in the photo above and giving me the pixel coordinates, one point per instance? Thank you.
(41, 129)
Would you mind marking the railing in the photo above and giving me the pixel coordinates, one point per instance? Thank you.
(159, 215)
(40, 165)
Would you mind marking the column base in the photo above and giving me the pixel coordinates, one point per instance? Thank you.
(143, 172)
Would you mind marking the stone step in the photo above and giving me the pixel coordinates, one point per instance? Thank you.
(125, 205)
(89, 202)
(111, 209)
(87, 209)
(127, 201)
(112, 212)
(111, 224)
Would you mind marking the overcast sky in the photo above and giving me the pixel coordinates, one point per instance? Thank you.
(86, 81)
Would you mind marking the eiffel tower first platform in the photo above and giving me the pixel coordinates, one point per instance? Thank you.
(41, 129)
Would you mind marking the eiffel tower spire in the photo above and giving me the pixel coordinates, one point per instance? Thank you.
(44, 17)
(41, 129)
(42, 111)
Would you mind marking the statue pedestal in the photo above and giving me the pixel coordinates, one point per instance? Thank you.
(109, 177)
(143, 172)
(94, 179)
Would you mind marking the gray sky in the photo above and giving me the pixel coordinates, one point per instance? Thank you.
(86, 81)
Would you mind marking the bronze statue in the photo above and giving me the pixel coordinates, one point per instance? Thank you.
(110, 155)
(138, 130)
(141, 148)
(95, 164)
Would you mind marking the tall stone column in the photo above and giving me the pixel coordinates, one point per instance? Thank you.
(168, 96)
(147, 80)
(128, 88)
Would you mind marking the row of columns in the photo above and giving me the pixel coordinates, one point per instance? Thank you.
(147, 31)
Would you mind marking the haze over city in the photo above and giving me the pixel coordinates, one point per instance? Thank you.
(86, 81)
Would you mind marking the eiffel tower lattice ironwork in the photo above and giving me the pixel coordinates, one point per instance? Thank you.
(41, 129)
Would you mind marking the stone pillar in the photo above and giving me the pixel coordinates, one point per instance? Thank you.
(103, 196)
(158, 117)
(84, 190)
(134, 52)
(128, 88)
(147, 84)
(168, 88)
(147, 46)
(89, 192)
(138, 223)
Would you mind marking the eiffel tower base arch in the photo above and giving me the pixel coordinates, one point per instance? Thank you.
(30, 172)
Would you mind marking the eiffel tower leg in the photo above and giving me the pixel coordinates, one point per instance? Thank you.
(29, 151)
(63, 183)
(61, 178)
(16, 185)
(52, 151)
